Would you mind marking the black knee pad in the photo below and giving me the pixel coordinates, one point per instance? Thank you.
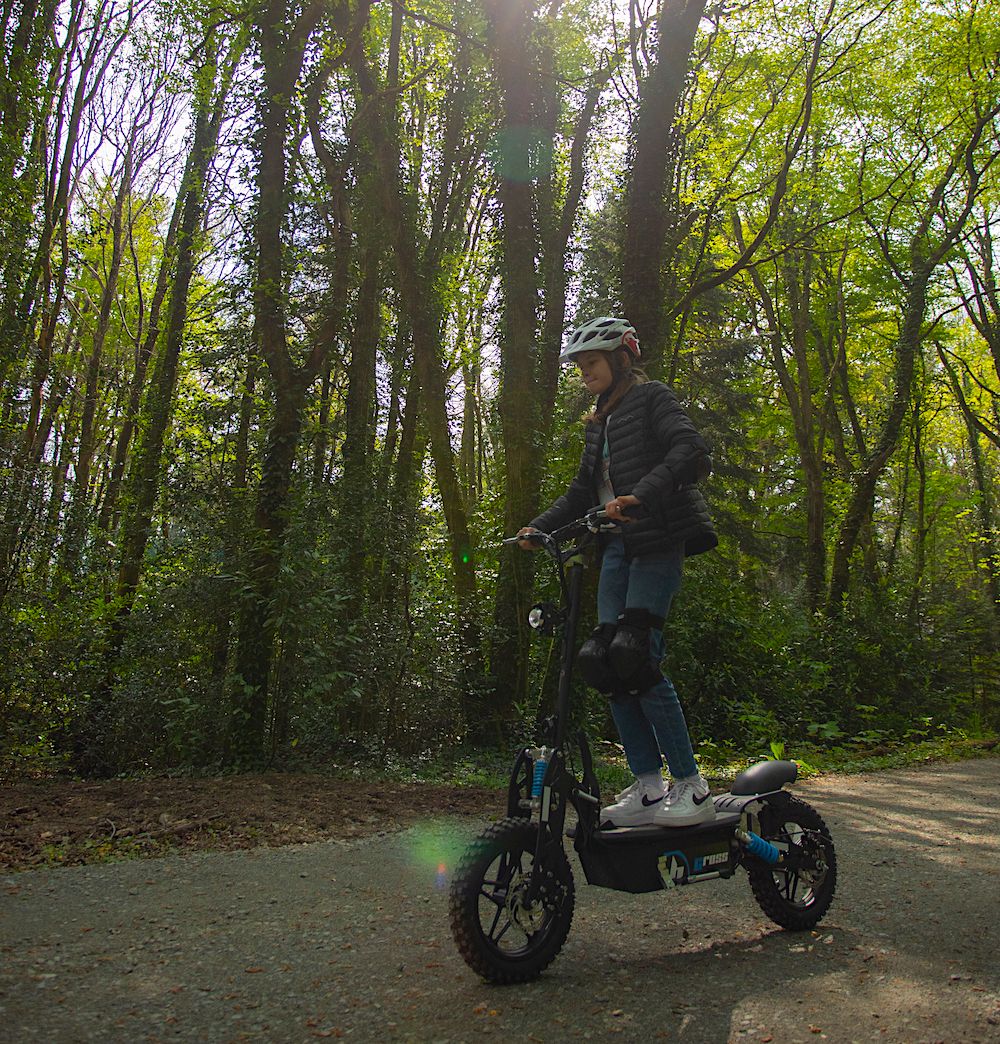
(642, 681)
(629, 653)
(592, 659)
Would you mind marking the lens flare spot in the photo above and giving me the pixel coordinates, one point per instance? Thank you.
(434, 849)
(521, 153)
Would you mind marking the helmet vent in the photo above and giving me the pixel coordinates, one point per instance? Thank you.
(605, 334)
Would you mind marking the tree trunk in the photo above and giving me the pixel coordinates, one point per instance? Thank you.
(797, 390)
(646, 204)
(282, 48)
(405, 461)
(81, 502)
(422, 306)
(146, 468)
(137, 384)
(93, 745)
(533, 221)
(519, 401)
(257, 626)
(25, 101)
(357, 511)
(234, 528)
(25, 469)
(985, 504)
(863, 491)
(24, 191)
(920, 526)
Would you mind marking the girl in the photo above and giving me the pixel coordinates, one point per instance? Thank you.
(641, 451)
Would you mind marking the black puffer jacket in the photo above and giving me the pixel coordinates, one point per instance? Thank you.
(657, 456)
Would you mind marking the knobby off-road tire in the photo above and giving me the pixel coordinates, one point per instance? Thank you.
(795, 896)
(501, 936)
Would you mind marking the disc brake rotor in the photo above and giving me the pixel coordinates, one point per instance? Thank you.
(804, 843)
(529, 917)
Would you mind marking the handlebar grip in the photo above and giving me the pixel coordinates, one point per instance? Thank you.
(631, 511)
(597, 515)
(536, 537)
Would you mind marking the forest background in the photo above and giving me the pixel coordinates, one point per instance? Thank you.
(283, 290)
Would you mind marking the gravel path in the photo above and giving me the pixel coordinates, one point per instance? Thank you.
(350, 939)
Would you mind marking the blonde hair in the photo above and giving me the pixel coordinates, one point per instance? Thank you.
(626, 378)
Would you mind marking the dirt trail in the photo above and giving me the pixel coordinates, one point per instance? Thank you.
(350, 939)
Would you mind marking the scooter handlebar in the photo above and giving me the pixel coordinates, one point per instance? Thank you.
(538, 538)
(596, 520)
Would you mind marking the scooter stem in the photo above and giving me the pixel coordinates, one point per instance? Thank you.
(574, 585)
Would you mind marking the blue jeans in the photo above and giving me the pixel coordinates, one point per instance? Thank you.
(655, 721)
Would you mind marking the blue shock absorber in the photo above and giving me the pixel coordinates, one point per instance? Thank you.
(757, 846)
(541, 764)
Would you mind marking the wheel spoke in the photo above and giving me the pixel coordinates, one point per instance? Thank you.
(503, 931)
(493, 896)
(495, 890)
(798, 883)
(793, 887)
(493, 933)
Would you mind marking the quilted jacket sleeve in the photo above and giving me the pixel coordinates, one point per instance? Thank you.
(683, 455)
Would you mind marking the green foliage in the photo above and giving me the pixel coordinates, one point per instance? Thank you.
(750, 679)
(789, 367)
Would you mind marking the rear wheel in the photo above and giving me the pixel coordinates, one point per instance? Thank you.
(509, 915)
(798, 891)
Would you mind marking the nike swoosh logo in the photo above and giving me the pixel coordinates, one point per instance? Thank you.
(701, 800)
(655, 801)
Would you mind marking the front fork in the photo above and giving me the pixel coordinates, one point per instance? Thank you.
(540, 787)
(540, 772)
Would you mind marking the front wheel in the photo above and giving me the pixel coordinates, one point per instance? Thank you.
(510, 915)
(798, 891)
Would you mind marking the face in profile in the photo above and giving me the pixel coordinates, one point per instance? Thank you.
(595, 370)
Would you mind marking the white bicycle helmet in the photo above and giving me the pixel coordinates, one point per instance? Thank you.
(603, 334)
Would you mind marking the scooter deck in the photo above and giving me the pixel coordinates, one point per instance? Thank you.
(648, 858)
(723, 824)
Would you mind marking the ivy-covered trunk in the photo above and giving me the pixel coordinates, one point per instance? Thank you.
(282, 48)
(519, 404)
(146, 468)
(646, 203)
(257, 622)
(94, 745)
(421, 301)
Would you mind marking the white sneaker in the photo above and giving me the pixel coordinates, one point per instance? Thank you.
(688, 802)
(635, 806)
(622, 794)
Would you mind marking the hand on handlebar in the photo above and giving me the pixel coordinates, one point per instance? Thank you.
(598, 519)
(616, 509)
(526, 544)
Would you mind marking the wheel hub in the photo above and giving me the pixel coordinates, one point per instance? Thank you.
(528, 916)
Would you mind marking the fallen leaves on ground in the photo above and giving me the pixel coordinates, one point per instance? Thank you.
(74, 822)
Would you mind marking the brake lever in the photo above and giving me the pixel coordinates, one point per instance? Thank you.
(599, 521)
(541, 539)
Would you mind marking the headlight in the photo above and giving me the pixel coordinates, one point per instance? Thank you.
(545, 617)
